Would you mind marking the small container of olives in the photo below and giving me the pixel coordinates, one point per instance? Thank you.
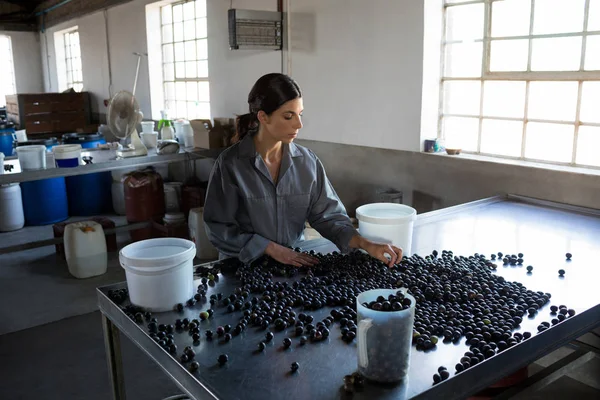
(385, 327)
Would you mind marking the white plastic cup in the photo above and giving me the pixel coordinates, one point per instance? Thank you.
(159, 272)
(384, 338)
(150, 139)
(387, 223)
(67, 155)
(32, 157)
(147, 126)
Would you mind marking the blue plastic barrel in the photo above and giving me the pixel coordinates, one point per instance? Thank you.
(6, 143)
(89, 194)
(49, 143)
(86, 140)
(45, 201)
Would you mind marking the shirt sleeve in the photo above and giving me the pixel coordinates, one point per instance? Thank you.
(222, 229)
(327, 213)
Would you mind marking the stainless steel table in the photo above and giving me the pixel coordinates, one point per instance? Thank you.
(543, 231)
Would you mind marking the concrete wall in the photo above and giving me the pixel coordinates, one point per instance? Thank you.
(430, 182)
(27, 61)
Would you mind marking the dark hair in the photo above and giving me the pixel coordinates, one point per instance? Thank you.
(269, 93)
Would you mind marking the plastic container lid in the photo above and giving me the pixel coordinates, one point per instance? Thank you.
(153, 256)
(386, 213)
(174, 218)
(73, 138)
(66, 151)
(44, 142)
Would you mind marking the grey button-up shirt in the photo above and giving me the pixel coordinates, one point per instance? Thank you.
(245, 209)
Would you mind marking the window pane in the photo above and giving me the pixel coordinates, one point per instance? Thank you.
(590, 103)
(203, 91)
(464, 22)
(202, 49)
(200, 8)
(179, 52)
(504, 99)
(204, 110)
(549, 142)
(178, 32)
(588, 143)
(462, 97)
(167, 14)
(189, 30)
(168, 53)
(180, 91)
(192, 110)
(592, 53)
(190, 51)
(461, 133)
(170, 91)
(192, 91)
(168, 71)
(594, 16)
(501, 137)
(167, 32)
(554, 101)
(463, 60)
(190, 69)
(202, 69)
(558, 16)
(188, 10)
(511, 18)
(181, 109)
(201, 28)
(177, 13)
(509, 55)
(556, 54)
(180, 70)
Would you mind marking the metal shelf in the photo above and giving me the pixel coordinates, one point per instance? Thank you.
(103, 160)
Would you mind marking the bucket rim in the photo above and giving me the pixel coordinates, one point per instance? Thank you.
(361, 213)
(160, 264)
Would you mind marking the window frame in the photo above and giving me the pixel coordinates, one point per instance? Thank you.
(527, 77)
(176, 79)
(72, 83)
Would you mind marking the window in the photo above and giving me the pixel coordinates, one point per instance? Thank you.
(185, 59)
(521, 79)
(7, 83)
(68, 60)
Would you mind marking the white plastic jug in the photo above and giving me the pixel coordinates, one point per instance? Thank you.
(11, 207)
(204, 248)
(387, 223)
(85, 249)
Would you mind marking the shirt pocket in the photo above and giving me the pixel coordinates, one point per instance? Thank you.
(298, 206)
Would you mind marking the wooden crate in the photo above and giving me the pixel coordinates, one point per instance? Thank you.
(49, 113)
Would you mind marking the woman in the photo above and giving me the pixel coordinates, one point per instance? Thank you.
(263, 188)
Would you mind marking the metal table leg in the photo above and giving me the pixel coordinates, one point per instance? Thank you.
(112, 344)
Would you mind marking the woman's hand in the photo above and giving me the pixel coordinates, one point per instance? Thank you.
(288, 256)
(378, 250)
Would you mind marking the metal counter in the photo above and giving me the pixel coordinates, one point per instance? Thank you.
(543, 231)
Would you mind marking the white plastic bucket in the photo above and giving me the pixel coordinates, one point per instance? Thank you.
(159, 272)
(11, 207)
(387, 223)
(147, 126)
(32, 157)
(67, 155)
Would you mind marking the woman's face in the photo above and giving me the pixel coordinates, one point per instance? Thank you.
(284, 123)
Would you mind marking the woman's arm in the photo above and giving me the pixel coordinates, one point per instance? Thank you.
(377, 250)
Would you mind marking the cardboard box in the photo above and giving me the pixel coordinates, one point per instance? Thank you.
(205, 136)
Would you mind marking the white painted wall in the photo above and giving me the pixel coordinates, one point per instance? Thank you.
(360, 65)
(27, 61)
